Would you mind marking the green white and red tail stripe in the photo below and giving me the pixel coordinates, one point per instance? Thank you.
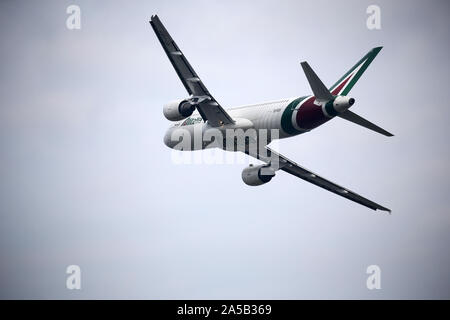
(347, 81)
(303, 114)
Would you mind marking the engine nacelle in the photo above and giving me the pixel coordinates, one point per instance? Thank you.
(257, 175)
(178, 110)
(342, 103)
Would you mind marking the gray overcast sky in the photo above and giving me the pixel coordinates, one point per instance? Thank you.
(85, 178)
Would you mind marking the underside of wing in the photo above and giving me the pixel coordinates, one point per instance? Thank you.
(280, 162)
(207, 106)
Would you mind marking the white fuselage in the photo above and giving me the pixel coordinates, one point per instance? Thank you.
(262, 117)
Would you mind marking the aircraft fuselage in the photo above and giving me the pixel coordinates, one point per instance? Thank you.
(270, 120)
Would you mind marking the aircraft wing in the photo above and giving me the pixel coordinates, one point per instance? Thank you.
(291, 167)
(207, 106)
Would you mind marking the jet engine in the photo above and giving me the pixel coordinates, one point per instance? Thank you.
(342, 103)
(257, 175)
(178, 110)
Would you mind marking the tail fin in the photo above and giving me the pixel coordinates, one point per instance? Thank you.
(348, 80)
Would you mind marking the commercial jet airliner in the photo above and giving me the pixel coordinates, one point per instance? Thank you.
(253, 127)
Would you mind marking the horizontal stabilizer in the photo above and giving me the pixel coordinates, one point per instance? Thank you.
(320, 91)
(353, 117)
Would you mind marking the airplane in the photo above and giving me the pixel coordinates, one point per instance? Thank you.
(200, 113)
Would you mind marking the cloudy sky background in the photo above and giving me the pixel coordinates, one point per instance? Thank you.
(85, 178)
